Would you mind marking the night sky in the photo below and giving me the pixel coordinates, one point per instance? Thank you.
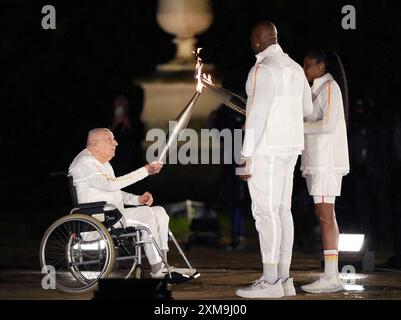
(58, 84)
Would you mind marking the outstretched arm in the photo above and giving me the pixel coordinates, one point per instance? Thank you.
(98, 178)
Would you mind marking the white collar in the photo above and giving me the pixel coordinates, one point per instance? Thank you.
(319, 81)
(91, 154)
(271, 50)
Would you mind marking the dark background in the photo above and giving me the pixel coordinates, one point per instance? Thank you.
(58, 84)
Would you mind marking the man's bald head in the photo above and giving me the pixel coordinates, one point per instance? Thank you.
(101, 144)
(264, 34)
(95, 135)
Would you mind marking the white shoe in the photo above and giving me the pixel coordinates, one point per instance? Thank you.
(262, 289)
(288, 287)
(324, 285)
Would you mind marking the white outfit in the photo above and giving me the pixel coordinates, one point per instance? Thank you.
(95, 181)
(325, 158)
(279, 98)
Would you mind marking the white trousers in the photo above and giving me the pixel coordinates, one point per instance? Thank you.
(157, 220)
(270, 187)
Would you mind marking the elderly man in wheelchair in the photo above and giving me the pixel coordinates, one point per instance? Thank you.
(101, 237)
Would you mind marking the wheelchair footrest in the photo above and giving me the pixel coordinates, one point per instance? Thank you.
(176, 277)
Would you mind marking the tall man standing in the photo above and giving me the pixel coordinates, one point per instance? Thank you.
(279, 98)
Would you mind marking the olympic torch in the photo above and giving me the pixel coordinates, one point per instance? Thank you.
(228, 98)
(181, 123)
(185, 115)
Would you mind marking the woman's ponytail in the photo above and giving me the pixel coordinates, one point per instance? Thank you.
(335, 66)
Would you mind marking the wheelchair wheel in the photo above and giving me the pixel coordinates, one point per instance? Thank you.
(81, 251)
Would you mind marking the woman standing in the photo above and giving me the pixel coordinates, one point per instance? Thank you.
(325, 158)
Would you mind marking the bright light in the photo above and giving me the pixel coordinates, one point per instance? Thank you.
(198, 72)
(351, 242)
(90, 275)
(354, 287)
(352, 276)
(96, 245)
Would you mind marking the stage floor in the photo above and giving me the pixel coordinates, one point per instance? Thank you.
(222, 272)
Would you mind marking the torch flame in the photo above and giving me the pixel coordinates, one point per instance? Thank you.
(199, 86)
(198, 73)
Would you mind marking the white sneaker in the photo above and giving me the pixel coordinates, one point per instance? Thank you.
(324, 285)
(262, 289)
(288, 287)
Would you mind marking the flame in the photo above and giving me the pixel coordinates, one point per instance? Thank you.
(199, 67)
(198, 73)
(207, 78)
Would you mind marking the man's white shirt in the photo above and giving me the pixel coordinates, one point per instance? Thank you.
(95, 181)
(279, 97)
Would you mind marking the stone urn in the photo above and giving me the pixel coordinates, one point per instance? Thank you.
(184, 19)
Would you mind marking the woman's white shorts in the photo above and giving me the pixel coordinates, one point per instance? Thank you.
(324, 186)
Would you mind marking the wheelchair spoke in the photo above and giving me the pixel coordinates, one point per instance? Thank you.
(80, 249)
(58, 262)
(61, 237)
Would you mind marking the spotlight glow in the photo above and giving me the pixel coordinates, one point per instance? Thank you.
(351, 242)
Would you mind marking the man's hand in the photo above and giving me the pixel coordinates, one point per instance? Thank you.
(154, 167)
(244, 177)
(146, 199)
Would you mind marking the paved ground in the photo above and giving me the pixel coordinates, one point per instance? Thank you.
(221, 273)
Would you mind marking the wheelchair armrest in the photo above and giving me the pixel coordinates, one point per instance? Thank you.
(131, 206)
(92, 208)
(90, 205)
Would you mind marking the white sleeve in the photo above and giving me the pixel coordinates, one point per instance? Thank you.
(258, 106)
(307, 99)
(130, 199)
(332, 102)
(101, 180)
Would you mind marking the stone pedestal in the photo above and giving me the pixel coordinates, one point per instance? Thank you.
(164, 100)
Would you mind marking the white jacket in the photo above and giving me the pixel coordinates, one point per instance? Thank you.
(95, 181)
(279, 98)
(326, 146)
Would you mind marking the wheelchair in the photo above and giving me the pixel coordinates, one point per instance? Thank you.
(93, 242)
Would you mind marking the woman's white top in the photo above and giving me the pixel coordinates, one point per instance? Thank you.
(326, 145)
